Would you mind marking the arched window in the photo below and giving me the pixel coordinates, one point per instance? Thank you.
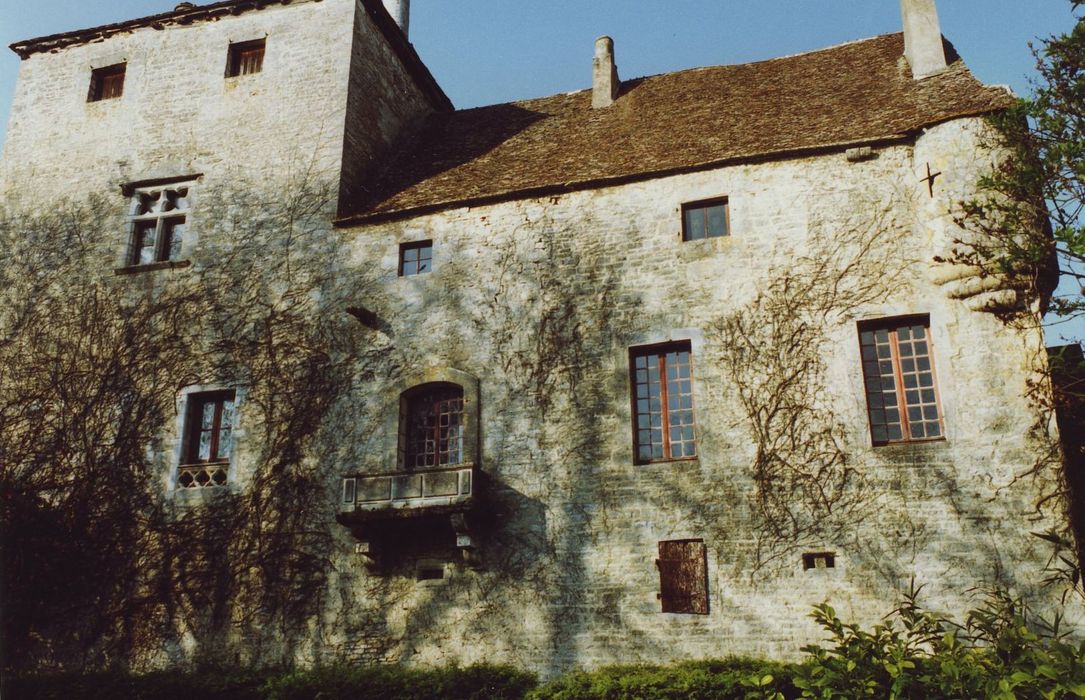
(432, 426)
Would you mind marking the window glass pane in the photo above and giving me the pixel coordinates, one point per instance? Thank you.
(694, 224)
(173, 231)
(717, 220)
(144, 242)
(903, 351)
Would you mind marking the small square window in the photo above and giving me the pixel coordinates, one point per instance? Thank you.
(818, 560)
(208, 440)
(708, 219)
(415, 258)
(157, 218)
(245, 58)
(106, 83)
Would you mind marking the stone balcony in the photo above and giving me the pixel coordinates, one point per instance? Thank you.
(407, 494)
(369, 501)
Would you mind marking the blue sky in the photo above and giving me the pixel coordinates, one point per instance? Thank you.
(487, 51)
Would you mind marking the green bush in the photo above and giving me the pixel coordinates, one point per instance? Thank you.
(172, 685)
(1000, 653)
(395, 683)
(716, 679)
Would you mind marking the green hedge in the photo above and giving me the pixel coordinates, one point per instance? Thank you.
(711, 680)
(393, 683)
(332, 683)
(173, 685)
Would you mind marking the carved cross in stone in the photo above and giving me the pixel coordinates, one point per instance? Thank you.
(930, 179)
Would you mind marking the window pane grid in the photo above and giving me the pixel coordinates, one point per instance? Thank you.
(663, 405)
(435, 430)
(209, 429)
(245, 58)
(415, 258)
(898, 373)
(250, 60)
(106, 83)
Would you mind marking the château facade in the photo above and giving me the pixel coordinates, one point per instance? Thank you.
(637, 373)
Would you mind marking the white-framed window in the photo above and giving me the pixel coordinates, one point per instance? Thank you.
(208, 431)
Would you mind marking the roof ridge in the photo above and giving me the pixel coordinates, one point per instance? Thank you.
(695, 69)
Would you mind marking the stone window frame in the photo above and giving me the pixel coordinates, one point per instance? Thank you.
(660, 350)
(185, 405)
(703, 205)
(245, 58)
(137, 193)
(410, 384)
(107, 82)
(928, 396)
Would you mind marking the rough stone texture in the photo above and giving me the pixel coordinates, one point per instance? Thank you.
(542, 298)
(179, 115)
(539, 300)
(922, 38)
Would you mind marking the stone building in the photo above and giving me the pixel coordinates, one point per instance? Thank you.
(649, 369)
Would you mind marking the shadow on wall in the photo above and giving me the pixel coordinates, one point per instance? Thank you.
(445, 142)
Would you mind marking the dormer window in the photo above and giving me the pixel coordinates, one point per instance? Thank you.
(245, 58)
(106, 83)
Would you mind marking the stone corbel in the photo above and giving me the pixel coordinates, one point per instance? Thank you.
(466, 540)
(368, 550)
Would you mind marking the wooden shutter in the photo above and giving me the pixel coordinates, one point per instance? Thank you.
(683, 576)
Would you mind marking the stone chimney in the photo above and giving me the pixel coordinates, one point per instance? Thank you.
(401, 13)
(922, 38)
(604, 74)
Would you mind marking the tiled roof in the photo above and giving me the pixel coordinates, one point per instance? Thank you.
(860, 92)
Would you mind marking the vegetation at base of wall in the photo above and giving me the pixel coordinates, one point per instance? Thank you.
(169, 685)
(1000, 652)
(481, 682)
(721, 679)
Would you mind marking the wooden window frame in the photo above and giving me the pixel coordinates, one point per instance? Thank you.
(660, 351)
(193, 472)
(439, 392)
(705, 204)
(892, 325)
(683, 582)
(107, 82)
(405, 265)
(239, 58)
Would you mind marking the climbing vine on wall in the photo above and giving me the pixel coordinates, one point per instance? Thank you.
(98, 569)
(773, 350)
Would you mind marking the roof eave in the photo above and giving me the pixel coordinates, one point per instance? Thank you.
(362, 219)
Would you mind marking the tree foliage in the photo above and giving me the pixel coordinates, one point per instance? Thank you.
(1031, 207)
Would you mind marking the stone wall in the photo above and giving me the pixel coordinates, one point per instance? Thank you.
(541, 300)
(179, 115)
